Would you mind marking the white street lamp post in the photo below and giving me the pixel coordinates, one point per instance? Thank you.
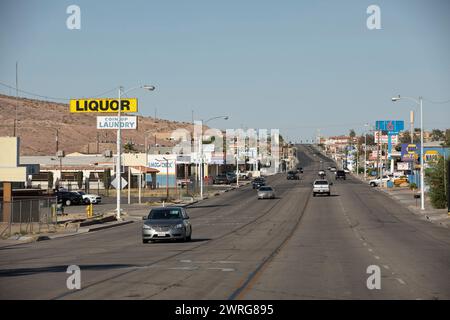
(422, 171)
(365, 152)
(119, 146)
(201, 151)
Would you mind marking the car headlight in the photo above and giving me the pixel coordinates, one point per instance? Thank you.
(147, 227)
(179, 226)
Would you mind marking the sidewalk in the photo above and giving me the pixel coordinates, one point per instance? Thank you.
(405, 196)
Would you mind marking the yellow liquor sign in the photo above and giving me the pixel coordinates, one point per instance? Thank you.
(103, 105)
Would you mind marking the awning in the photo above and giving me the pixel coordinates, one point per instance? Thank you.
(144, 169)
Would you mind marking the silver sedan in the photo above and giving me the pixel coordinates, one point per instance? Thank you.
(167, 223)
(266, 192)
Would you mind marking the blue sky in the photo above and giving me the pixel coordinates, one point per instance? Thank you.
(294, 65)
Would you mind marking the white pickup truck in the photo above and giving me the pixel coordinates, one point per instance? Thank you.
(322, 187)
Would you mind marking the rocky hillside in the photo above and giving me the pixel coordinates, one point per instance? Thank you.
(38, 122)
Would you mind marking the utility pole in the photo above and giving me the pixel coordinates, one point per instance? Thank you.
(56, 138)
(17, 100)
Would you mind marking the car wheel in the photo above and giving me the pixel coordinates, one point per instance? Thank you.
(144, 241)
(329, 194)
(86, 201)
(68, 202)
(314, 194)
(372, 184)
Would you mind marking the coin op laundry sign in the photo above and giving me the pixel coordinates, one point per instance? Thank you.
(113, 122)
(103, 105)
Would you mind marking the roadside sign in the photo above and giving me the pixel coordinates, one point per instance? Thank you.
(127, 122)
(401, 166)
(123, 184)
(410, 152)
(103, 105)
(385, 138)
(392, 126)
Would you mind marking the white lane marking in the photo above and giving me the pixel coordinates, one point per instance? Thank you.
(377, 257)
(223, 269)
(370, 250)
(210, 261)
(401, 281)
(386, 267)
(184, 268)
(365, 244)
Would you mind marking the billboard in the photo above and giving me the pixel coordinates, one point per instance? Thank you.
(402, 166)
(410, 152)
(392, 126)
(385, 138)
(126, 122)
(103, 105)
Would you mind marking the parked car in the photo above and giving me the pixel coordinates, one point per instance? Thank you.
(69, 198)
(292, 175)
(266, 192)
(167, 223)
(258, 182)
(322, 187)
(340, 174)
(221, 179)
(232, 177)
(243, 175)
(376, 182)
(90, 198)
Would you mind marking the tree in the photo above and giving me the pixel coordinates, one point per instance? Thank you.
(129, 147)
(352, 133)
(437, 135)
(79, 176)
(435, 177)
(405, 137)
(447, 138)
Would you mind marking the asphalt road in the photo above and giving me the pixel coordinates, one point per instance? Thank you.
(293, 247)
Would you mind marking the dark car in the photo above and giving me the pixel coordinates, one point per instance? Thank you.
(69, 198)
(221, 179)
(231, 176)
(300, 169)
(340, 174)
(258, 183)
(292, 175)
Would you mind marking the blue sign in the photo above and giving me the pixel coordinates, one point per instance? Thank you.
(410, 152)
(391, 126)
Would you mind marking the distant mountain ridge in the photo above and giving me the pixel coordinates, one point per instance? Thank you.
(38, 122)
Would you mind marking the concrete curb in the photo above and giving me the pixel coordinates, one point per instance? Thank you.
(60, 236)
(122, 223)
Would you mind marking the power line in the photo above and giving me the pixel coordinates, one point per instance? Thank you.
(49, 97)
(437, 102)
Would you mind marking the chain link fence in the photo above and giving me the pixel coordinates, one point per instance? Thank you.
(28, 216)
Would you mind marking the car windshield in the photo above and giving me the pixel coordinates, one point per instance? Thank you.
(265, 189)
(321, 182)
(81, 192)
(165, 214)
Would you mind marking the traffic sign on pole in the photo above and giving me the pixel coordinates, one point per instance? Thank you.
(123, 183)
